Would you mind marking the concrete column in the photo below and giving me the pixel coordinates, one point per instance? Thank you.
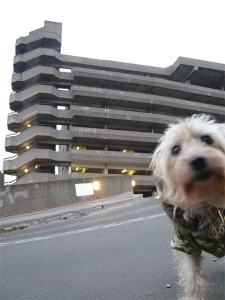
(105, 171)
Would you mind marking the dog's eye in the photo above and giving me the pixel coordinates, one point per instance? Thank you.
(207, 139)
(176, 150)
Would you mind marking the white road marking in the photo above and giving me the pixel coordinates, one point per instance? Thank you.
(41, 238)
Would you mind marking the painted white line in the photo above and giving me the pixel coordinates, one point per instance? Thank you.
(41, 238)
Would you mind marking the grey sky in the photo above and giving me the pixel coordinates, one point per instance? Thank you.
(149, 32)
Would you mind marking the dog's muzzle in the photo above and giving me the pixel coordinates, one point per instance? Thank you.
(201, 168)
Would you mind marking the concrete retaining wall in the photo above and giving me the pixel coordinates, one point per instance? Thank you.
(34, 196)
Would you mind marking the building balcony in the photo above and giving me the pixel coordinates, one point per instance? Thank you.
(34, 159)
(91, 117)
(82, 135)
(115, 99)
(117, 81)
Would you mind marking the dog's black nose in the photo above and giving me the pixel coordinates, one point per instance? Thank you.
(198, 163)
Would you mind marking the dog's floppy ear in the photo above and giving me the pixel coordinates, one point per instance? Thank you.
(222, 130)
(156, 168)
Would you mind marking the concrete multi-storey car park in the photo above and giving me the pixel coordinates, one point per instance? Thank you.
(75, 116)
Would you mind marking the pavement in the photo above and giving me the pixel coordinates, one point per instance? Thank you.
(24, 220)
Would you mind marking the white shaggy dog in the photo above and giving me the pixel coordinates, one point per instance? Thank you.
(189, 169)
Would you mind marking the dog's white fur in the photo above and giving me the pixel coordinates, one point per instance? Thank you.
(191, 275)
(182, 185)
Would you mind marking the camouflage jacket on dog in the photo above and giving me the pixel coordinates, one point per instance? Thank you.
(197, 233)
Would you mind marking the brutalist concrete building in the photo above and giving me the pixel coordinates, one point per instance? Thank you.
(76, 117)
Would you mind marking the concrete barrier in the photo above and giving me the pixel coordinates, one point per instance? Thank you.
(21, 198)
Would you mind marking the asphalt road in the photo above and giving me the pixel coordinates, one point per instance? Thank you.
(118, 253)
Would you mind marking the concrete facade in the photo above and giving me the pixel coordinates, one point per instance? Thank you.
(21, 198)
(74, 116)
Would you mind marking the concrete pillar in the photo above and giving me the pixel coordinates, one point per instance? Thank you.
(105, 171)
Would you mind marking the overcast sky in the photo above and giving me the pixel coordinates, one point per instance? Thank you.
(149, 32)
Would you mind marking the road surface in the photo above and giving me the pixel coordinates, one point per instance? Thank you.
(118, 253)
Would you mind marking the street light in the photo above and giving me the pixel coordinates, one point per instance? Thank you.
(96, 188)
(96, 185)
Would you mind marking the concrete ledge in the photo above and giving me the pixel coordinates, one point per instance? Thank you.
(143, 100)
(22, 221)
(22, 198)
